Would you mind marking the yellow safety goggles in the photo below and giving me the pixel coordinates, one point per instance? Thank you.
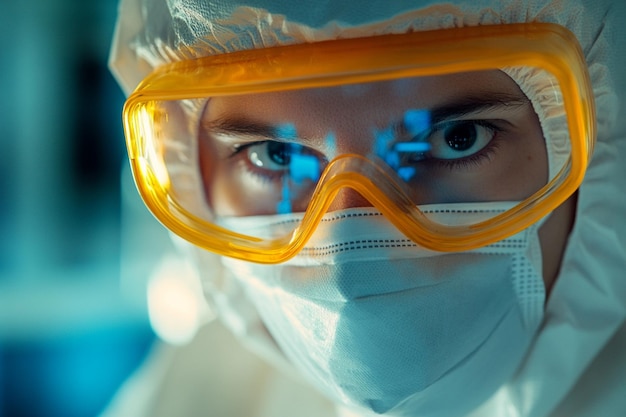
(416, 125)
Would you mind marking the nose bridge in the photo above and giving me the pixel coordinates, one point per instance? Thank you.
(348, 136)
(356, 143)
(348, 198)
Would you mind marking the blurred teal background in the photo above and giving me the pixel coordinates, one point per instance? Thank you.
(76, 243)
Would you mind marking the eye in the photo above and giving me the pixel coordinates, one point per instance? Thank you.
(271, 155)
(460, 139)
(274, 159)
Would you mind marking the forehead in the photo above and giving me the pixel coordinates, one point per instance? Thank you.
(378, 102)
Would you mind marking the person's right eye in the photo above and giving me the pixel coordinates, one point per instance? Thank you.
(270, 155)
(275, 160)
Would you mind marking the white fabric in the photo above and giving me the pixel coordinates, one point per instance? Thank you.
(214, 376)
(577, 363)
(547, 99)
(376, 322)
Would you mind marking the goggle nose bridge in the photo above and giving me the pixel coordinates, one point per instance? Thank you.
(369, 183)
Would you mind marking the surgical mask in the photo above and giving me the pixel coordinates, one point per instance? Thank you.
(384, 326)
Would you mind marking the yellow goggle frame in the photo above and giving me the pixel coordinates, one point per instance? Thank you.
(547, 46)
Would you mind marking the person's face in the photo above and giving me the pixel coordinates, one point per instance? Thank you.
(485, 144)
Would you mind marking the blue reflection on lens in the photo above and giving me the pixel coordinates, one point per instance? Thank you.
(284, 206)
(383, 141)
(406, 173)
(401, 156)
(331, 144)
(412, 147)
(416, 121)
(286, 131)
(383, 147)
(304, 167)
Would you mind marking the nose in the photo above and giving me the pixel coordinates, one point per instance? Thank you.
(348, 198)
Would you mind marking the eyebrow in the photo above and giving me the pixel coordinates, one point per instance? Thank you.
(240, 126)
(459, 107)
(477, 103)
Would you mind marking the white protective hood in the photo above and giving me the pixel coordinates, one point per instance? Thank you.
(577, 364)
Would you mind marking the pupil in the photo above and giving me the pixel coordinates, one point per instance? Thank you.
(279, 152)
(461, 137)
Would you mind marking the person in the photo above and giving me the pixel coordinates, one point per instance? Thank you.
(409, 208)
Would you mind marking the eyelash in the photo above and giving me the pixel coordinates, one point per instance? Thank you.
(482, 156)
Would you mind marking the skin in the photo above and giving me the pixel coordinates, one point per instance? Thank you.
(235, 131)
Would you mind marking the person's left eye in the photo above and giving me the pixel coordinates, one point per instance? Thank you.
(459, 139)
